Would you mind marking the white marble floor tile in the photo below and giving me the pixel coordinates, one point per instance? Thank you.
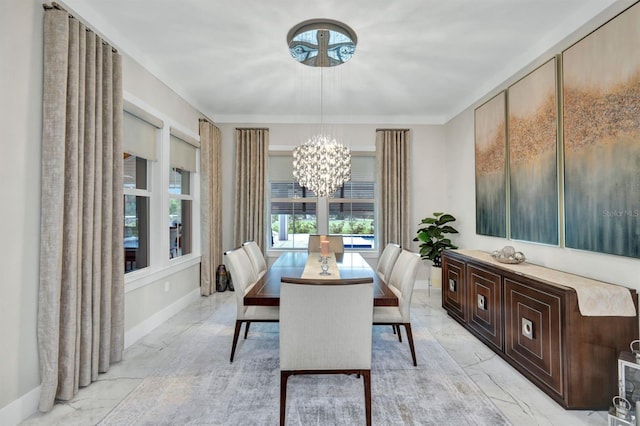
(520, 401)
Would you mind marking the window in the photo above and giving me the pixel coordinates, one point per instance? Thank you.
(183, 158)
(351, 213)
(139, 141)
(295, 213)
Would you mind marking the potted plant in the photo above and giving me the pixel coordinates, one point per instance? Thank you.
(434, 242)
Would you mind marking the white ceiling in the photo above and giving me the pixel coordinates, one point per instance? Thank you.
(416, 62)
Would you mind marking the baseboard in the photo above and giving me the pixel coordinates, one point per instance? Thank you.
(146, 326)
(18, 410)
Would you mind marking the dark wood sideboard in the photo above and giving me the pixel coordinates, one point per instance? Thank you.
(537, 327)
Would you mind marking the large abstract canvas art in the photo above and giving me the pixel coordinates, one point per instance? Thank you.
(601, 78)
(533, 153)
(490, 145)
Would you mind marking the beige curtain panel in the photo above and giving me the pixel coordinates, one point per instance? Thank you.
(81, 296)
(210, 205)
(392, 168)
(252, 148)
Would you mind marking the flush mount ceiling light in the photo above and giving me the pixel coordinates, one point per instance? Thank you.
(322, 164)
(322, 42)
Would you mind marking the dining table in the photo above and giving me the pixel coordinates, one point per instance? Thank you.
(350, 265)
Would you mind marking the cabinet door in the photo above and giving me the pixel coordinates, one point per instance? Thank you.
(454, 288)
(485, 305)
(533, 332)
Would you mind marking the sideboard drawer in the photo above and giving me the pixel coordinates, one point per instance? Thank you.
(485, 305)
(533, 332)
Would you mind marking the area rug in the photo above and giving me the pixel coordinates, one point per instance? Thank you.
(196, 385)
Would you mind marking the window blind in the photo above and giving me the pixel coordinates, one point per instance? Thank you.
(362, 168)
(182, 155)
(139, 137)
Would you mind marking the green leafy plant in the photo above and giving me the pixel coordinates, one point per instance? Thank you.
(433, 238)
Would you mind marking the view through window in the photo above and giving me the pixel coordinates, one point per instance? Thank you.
(295, 212)
(136, 213)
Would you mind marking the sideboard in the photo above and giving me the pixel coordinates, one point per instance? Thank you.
(530, 316)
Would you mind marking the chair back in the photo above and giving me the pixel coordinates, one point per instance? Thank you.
(336, 243)
(387, 259)
(403, 279)
(325, 327)
(256, 257)
(242, 276)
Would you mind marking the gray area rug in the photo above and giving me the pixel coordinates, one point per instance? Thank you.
(194, 384)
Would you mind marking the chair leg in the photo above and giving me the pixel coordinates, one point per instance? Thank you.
(284, 375)
(236, 333)
(397, 326)
(366, 374)
(407, 328)
(246, 329)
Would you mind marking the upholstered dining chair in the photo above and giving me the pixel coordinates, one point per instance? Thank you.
(336, 243)
(244, 279)
(258, 261)
(387, 259)
(401, 282)
(325, 329)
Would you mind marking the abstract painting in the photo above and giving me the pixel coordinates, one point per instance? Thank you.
(490, 145)
(601, 78)
(533, 153)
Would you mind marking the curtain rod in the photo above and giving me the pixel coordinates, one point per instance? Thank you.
(252, 128)
(385, 130)
(57, 6)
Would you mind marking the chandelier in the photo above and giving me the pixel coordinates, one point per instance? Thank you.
(321, 164)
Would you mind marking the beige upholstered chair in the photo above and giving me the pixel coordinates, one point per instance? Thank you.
(244, 279)
(336, 243)
(387, 259)
(401, 282)
(258, 262)
(325, 329)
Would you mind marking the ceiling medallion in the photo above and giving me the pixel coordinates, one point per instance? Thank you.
(322, 42)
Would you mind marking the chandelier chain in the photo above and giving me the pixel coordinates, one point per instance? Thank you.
(321, 164)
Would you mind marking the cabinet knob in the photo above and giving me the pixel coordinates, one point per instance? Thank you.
(482, 302)
(527, 328)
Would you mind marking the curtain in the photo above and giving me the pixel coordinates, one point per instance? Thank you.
(210, 205)
(81, 294)
(392, 169)
(252, 148)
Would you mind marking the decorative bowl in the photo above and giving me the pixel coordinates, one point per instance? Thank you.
(508, 255)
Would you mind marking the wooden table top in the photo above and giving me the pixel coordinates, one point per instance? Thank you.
(266, 292)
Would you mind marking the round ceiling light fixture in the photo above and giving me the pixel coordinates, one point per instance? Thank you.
(322, 42)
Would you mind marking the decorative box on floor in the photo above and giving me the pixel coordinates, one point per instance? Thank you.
(629, 389)
(620, 413)
(629, 377)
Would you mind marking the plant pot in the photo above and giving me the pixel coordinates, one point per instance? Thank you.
(436, 277)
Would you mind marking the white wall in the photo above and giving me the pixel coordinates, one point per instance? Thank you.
(20, 135)
(442, 170)
(426, 163)
(460, 178)
(21, 48)
(172, 284)
(461, 201)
